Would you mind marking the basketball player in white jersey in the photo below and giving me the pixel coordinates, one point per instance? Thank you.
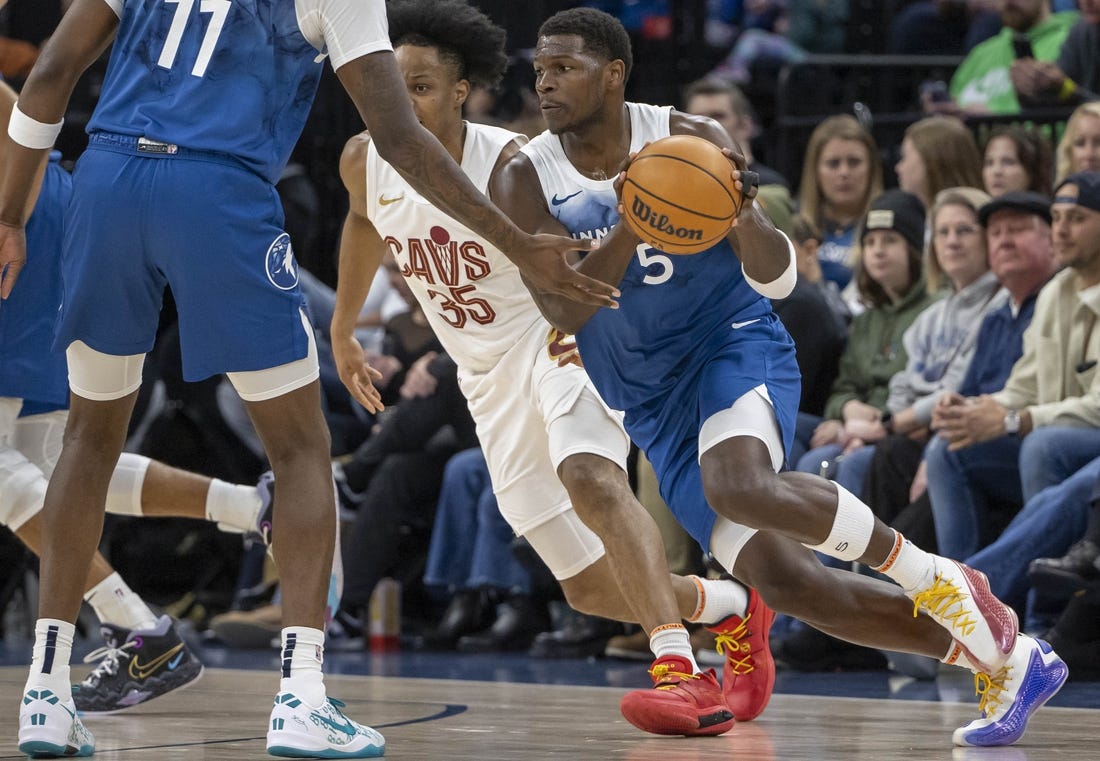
(541, 424)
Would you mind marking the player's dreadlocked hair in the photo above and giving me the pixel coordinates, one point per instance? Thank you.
(464, 36)
(602, 33)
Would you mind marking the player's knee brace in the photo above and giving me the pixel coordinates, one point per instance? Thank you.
(22, 489)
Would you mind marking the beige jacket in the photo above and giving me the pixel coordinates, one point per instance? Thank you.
(1057, 380)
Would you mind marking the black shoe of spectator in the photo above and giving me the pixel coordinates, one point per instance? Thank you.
(1078, 569)
(469, 611)
(519, 620)
(808, 649)
(580, 637)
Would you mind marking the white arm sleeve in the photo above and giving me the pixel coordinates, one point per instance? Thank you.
(781, 287)
(344, 29)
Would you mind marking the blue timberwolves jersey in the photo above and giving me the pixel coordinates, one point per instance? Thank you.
(229, 76)
(673, 308)
(30, 368)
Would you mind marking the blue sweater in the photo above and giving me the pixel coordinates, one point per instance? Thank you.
(1000, 343)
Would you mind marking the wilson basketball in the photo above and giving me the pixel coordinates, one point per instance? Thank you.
(679, 195)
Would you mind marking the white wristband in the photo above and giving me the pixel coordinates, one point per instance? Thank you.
(31, 133)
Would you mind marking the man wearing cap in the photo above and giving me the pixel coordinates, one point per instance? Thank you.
(999, 450)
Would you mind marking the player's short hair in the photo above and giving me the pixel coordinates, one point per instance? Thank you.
(603, 34)
(463, 35)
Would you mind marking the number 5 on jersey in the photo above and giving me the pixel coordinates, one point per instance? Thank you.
(218, 10)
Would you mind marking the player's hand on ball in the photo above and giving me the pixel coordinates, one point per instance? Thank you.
(357, 376)
(13, 255)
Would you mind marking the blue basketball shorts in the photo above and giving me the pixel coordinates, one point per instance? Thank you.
(667, 429)
(196, 222)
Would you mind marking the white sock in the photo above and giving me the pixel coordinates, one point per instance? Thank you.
(853, 525)
(908, 565)
(116, 604)
(53, 647)
(303, 653)
(672, 639)
(718, 599)
(127, 481)
(231, 506)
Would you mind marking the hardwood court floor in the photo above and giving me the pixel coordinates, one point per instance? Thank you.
(223, 717)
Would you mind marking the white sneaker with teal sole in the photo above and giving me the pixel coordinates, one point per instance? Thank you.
(298, 730)
(1032, 675)
(49, 727)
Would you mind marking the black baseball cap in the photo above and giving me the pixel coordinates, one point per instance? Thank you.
(898, 211)
(1020, 200)
(1088, 189)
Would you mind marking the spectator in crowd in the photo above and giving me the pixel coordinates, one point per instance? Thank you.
(470, 556)
(997, 451)
(1022, 263)
(806, 238)
(1075, 77)
(1079, 149)
(938, 153)
(841, 173)
(983, 83)
(1017, 158)
(727, 105)
(891, 283)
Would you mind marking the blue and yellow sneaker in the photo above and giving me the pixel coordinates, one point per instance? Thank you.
(135, 666)
(49, 727)
(298, 730)
(1031, 676)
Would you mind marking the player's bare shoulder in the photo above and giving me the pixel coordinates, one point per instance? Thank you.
(680, 123)
(353, 165)
(513, 176)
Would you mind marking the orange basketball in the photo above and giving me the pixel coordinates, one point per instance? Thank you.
(679, 195)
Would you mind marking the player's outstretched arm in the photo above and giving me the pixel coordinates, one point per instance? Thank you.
(375, 84)
(515, 188)
(766, 254)
(361, 252)
(80, 38)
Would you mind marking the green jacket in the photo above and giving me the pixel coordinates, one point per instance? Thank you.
(982, 79)
(875, 351)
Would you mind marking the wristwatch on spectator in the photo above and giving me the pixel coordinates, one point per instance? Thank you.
(1012, 423)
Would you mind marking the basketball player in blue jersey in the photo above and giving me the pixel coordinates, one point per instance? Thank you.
(707, 377)
(199, 110)
(556, 454)
(34, 403)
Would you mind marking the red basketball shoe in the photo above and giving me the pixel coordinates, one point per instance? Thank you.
(748, 675)
(680, 703)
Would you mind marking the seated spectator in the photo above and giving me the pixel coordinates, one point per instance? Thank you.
(841, 173)
(1075, 77)
(1022, 262)
(983, 84)
(819, 332)
(938, 153)
(998, 451)
(891, 283)
(1079, 148)
(806, 238)
(1017, 158)
(940, 342)
(727, 105)
(470, 556)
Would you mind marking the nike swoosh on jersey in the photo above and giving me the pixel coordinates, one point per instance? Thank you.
(143, 670)
(739, 325)
(555, 201)
(387, 201)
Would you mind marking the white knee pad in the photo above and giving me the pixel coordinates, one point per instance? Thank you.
(261, 385)
(727, 539)
(102, 377)
(39, 438)
(22, 489)
(124, 491)
(565, 544)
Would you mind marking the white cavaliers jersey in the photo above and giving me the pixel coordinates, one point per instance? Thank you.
(472, 294)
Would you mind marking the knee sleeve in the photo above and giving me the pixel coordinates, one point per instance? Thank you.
(22, 489)
(565, 544)
(124, 491)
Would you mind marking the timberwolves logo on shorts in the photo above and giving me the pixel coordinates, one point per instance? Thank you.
(282, 270)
